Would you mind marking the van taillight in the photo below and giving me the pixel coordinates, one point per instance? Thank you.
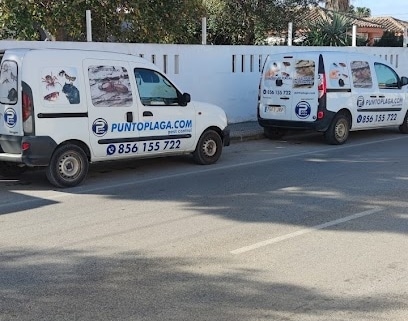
(27, 106)
(322, 85)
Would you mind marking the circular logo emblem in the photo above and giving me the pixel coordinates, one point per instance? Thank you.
(110, 150)
(303, 110)
(360, 102)
(10, 117)
(100, 127)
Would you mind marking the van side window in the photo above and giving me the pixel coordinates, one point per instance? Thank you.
(110, 86)
(154, 89)
(387, 78)
(8, 82)
(361, 73)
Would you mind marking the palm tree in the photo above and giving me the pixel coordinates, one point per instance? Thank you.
(329, 31)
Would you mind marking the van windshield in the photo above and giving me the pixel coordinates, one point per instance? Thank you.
(8, 82)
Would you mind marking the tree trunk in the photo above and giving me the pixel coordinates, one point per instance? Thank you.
(338, 5)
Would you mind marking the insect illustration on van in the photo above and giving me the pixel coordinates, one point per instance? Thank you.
(52, 96)
(62, 73)
(50, 81)
(71, 92)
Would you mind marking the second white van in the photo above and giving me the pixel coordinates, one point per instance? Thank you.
(331, 92)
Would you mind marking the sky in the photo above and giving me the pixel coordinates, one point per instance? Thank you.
(395, 8)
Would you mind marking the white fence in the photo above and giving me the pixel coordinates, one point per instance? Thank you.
(227, 76)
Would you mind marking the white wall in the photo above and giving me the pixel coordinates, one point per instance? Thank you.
(224, 75)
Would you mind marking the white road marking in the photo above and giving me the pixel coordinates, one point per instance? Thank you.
(305, 231)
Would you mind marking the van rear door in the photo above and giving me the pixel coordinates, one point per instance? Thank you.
(304, 89)
(275, 88)
(11, 122)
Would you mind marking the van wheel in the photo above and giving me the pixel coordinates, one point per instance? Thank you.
(338, 131)
(68, 166)
(11, 170)
(403, 128)
(274, 132)
(208, 149)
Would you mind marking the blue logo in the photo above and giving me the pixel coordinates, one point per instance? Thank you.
(10, 117)
(360, 102)
(303, 110)
(100, 127)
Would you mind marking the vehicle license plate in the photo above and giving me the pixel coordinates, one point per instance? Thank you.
(275, 109)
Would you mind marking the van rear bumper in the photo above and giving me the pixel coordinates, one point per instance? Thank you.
(318, 125)
(38, 154)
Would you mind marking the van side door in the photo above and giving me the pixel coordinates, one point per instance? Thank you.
(166, 124)
(390, 97)
(112, 109)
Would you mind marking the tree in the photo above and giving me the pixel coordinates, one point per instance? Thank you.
(173, 21)
(361, 12)
(329, 31)
(389, 39)
(248, 22)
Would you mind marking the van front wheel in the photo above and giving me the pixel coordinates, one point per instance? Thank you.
(208, 149)
(68, 166)
(338, 131)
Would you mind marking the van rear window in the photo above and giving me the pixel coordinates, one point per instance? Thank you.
(8, 82)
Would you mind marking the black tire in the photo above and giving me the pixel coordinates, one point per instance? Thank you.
(209, 148)
(403, 128)
(68, 166)
(11, 170)
(338, 131)
(274, 132)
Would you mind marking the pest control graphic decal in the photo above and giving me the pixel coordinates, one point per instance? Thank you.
(60, 86)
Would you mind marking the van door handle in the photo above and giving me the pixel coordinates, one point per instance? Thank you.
(381, 96)
(129, 117)
(147, 113)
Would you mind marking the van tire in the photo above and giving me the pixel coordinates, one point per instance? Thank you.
(11, 170)
(68, 166)
(403, 128)
(274, 132)
(338, 131)
(208, 149)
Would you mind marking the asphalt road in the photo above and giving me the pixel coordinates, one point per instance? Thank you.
(276, 230)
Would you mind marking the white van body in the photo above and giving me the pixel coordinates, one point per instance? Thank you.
(63, 109)
(332, 92)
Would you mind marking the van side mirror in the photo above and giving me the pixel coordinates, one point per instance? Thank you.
(404, 81)
(184, 99)
(279, 82)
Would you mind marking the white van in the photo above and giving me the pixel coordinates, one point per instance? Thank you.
(62, 109)
(331, 92)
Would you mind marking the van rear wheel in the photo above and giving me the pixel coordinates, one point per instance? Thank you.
(208, 149)
(338, 131)
(68, 166)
